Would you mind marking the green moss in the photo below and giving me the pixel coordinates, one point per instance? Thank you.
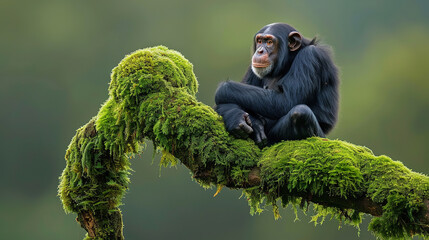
(320, 167)
(152, 96)
(148, 69)
(314, 166)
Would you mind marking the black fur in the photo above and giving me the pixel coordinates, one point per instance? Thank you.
(301, 100)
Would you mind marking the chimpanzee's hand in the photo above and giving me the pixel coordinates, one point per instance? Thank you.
(258, 134)
(242, 127)
(237, 121)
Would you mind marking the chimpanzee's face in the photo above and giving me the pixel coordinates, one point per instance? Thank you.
(264, 58)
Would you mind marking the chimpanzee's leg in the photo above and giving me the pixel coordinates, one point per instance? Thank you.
(299, 123)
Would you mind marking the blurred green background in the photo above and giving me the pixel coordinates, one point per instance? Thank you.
(55, 62)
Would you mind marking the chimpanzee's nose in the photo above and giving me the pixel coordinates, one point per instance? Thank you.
(260, 50)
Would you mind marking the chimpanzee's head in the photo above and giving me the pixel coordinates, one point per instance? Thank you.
(275, 46)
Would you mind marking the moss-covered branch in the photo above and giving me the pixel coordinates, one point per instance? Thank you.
(152, 96)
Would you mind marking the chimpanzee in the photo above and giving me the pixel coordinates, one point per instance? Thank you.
(289, 92)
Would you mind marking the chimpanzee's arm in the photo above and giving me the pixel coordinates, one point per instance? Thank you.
(265, 102)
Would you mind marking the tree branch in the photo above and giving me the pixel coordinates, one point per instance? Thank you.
(152, 96)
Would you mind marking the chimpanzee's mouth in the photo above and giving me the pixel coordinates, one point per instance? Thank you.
(260, 65)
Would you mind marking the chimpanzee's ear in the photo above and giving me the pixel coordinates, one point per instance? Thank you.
(294, 41)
